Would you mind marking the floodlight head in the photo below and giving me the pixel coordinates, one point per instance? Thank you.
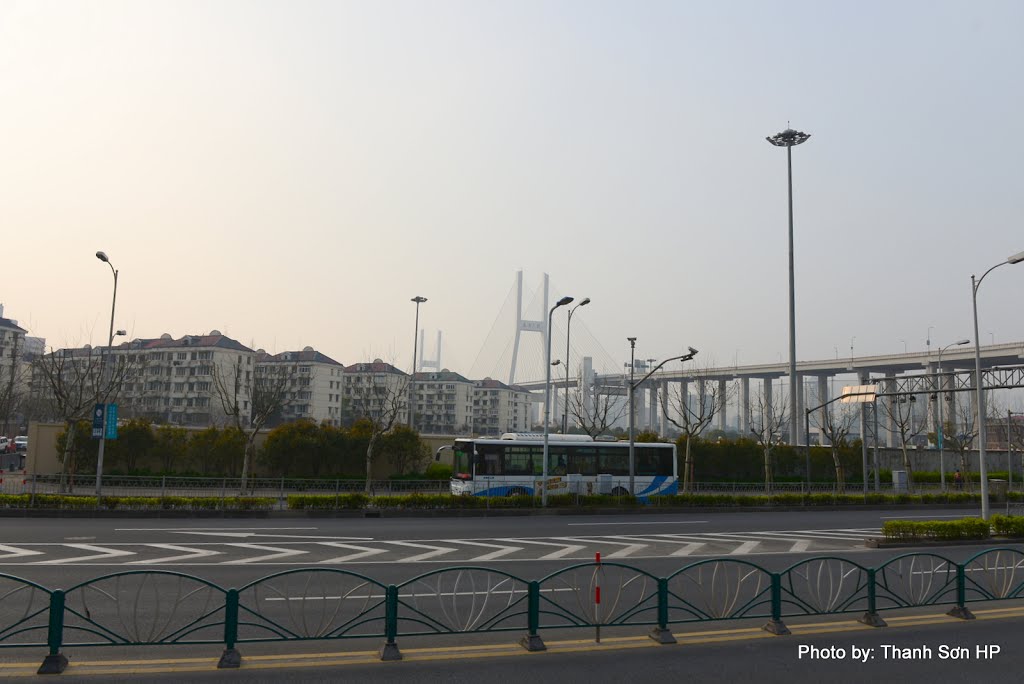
(788, 138)
(563, 301)
(1016, 258)
(102, 256)
(632, 341)
(418, 299)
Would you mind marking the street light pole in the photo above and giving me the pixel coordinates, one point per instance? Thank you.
(982, 436)
(789, 138)
(568, 330)
(547, 402)
(938, 434)
(412, 381)
(102, 256)
(632, 391)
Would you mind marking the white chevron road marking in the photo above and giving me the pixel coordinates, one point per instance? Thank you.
(190, 554)
(14, 552)
(502, 550)
(100, 552)
(627, 550)
(436, 551)
(281, 553)
(361, 552)
(565, 549)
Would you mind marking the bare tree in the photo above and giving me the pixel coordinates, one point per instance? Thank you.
(767, 421)
(11, 383)
(959, 433)
(249, 401)
(74, 381)
(691, 417)
(598, 414)
(835, 424)
(908, 423)
(376, 395)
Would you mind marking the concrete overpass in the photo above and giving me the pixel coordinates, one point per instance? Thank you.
(864, 369)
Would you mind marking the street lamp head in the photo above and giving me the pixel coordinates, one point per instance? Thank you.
(788, 138)
(122, 333)
(1016, 258)
(584, 302)
(963, 341)
(418, 299)
(556, 362)
(563, 301)
(102, 256)
(632, 341)
(693, 352)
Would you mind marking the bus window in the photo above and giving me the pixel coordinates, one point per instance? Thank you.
(557, 463)
(583, 460)
(490, 459)
(613, 461)
(519, 461)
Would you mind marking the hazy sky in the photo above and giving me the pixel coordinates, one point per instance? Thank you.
(292, 173)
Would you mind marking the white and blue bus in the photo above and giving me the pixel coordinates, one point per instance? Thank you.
(577, 464)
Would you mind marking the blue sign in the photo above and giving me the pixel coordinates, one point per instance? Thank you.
(97, 421)
(111, 427)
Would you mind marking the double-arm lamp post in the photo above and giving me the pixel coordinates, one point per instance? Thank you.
(102, 256)
(632, 390)
(547, 402)
(982, 436)
(568, 330)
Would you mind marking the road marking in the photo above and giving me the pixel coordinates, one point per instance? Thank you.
(502, 551)
(15, 552)
(745, 547)
(800, 546)
(282, 553)
(191, 555)
(103, 552)
(437, 551)
(286, 536)
(688, 549)
(190, 529)
(628, 550)
(363, 552)
(565, 550)
(646, 522)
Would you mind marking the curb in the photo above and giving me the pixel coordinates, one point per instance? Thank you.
(875, 543)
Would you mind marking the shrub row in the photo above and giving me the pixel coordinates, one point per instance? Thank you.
(137, 503)
(946, 530)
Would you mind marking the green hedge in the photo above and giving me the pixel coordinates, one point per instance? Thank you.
(137, 503)
(939, 530)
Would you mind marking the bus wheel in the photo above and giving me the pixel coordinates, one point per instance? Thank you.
(619, 491)
(517, 491)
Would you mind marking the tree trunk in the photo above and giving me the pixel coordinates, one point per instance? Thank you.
(250, 446)
(840, 472)
(906, 466)
(767, 471)
(688, 469)
(69, 442)
(369, 461)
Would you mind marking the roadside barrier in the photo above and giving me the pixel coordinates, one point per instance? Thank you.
(156, 607)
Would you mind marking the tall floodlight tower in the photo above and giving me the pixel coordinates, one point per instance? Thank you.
(522, 325)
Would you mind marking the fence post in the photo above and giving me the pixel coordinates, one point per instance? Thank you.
(532, 641)
(661, 633)
(231, 658)
(776, 625)
(960, 610)
(389, 651)
(55, 662)
(872, 618)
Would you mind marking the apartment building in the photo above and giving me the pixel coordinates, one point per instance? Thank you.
(499, 408)
(444, 403)
(192, 380)
(375, 390)
(315, 385)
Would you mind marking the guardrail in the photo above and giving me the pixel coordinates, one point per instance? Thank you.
(155, 608)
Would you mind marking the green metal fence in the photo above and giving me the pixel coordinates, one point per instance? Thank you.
(154, 607)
